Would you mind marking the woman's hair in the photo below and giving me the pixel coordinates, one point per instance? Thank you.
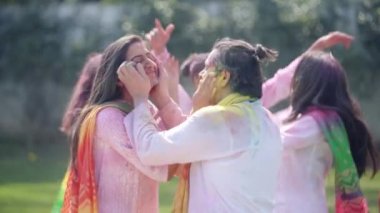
(81, 92)
(193, 64)
(243, 61)
(320, 81)
(104, 88)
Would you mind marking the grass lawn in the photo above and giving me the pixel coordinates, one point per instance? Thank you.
(29, 183)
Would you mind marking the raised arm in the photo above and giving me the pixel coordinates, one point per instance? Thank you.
(187, 142)
(277, 88)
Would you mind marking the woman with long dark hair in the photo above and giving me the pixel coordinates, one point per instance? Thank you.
(105, 174)
(325, 127)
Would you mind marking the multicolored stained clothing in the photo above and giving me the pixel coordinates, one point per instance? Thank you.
(80, 193)
(349, 197)
(310, 149)
(115, 179)
(223, 143)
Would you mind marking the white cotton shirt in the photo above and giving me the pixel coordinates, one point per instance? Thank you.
(306, 160)
(235, 155)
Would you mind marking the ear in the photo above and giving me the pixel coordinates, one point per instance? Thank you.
(224, 78)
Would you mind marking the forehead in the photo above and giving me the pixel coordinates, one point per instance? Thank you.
(211, 58)
(136, 49)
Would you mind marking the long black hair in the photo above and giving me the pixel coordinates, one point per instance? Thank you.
(320, 81)
(105, 86)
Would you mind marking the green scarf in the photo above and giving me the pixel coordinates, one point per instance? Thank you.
(349, 197)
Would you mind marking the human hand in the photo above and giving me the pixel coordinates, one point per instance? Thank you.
(172, 69)
(204, 93)
(332, 39)
(159, 36)
(135, 80)
(159, 94)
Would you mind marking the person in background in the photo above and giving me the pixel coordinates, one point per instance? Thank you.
(192, 66)
(81, 92)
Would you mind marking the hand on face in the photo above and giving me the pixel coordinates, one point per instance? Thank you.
(203, 96)
(158, 37)
(159, 94)
(135, 80)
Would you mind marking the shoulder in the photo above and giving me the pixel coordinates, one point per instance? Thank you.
(210, 111)
(305, 126)
(109, 114)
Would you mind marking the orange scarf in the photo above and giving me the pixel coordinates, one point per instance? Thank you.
(80, 192)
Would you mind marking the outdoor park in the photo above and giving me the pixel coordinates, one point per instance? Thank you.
(44, 45)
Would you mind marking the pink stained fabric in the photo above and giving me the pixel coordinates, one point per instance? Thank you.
(124, 184)
(306, 158)
(306, 161)
(277, 88)
(185, 101)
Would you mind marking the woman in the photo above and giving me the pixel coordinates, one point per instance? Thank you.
(81, 92)
(105, 174)
(325, 127)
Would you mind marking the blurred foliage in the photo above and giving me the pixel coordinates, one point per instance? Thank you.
(36, 41)
(39, 46)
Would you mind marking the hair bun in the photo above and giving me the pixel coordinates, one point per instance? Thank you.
(265, 54)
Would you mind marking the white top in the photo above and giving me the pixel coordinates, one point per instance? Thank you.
(235, 155)
(306, 158)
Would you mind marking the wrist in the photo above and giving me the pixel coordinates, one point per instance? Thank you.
(139, 100)
(162, 101)
(159, 50)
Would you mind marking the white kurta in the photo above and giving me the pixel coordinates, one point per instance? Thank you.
(306, 161)
(306, 158)
(235, 154)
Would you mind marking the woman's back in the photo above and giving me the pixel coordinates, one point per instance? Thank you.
(306, 161)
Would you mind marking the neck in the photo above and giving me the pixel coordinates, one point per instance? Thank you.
(220, 95)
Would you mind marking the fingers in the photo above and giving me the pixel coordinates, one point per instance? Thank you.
(207, 84)
(141, 71)
(158, 24)
(152, 34)
(130, 70)
(169, 29)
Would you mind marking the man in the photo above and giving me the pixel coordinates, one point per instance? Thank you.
(230, 140)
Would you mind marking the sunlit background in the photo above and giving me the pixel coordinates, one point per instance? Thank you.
(43, 45)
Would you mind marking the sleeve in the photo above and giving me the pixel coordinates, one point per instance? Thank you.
(110, 129)
(185, 101)
(171, 115)
(301, 133)
(203, 136)
(163, 56)
(277, 88)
